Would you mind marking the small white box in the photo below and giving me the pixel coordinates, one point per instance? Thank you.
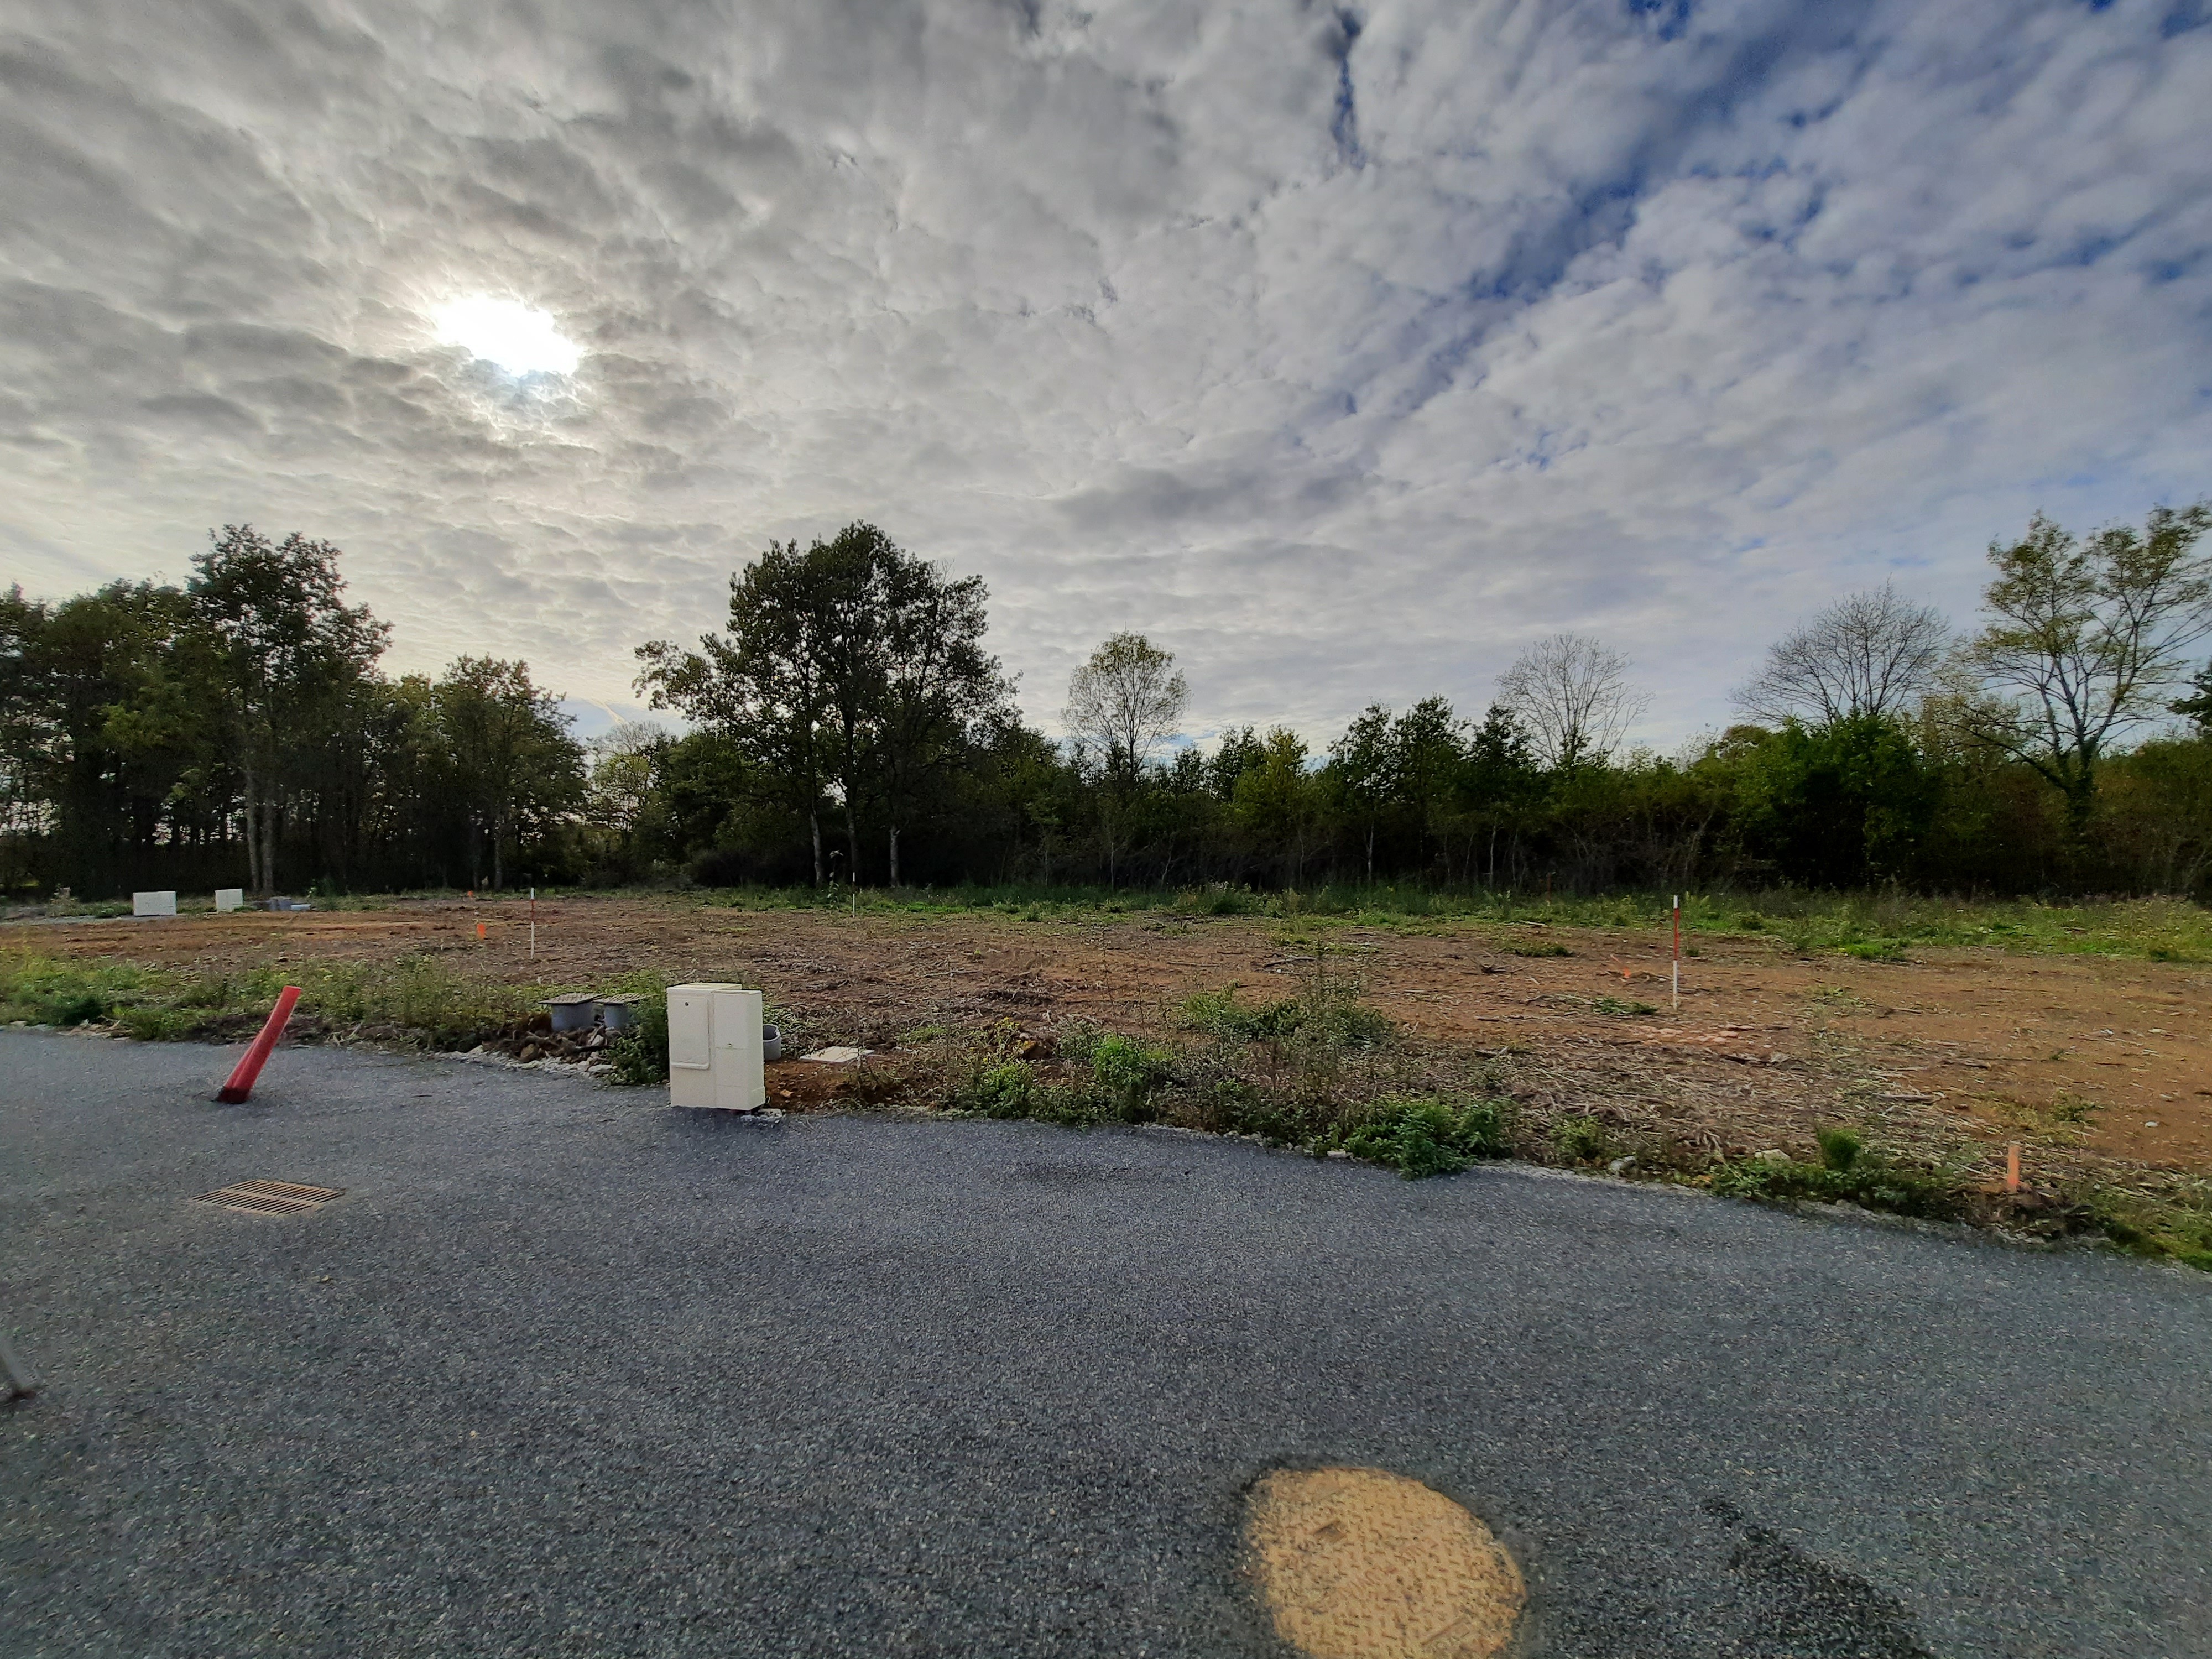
(714, 1058)
(230, 898)
(154, 904)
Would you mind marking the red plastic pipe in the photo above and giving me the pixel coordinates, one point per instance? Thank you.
(233, 1093)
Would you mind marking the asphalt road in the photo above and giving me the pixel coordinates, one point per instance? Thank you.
(566, 1372)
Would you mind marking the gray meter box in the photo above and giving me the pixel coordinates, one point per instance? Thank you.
(714, 1058)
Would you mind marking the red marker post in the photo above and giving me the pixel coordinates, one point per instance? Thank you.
(233, 1093)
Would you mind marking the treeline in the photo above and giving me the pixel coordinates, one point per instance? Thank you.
(848, 723)
(236, 730)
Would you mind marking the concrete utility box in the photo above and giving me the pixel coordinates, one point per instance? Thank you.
(230, 898)
(154, 904)
(714, 1047)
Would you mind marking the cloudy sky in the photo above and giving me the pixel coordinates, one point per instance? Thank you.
(1343, 349)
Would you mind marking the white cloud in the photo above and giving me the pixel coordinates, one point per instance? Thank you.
(1665, 325)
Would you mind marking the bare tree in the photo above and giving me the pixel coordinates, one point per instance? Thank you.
(1868, 654)
(1572, 695)
(1127, 699)
(2084, 639)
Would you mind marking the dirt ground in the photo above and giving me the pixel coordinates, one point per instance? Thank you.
(2088, 1062)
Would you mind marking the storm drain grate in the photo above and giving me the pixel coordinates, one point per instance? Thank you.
(270, 1197)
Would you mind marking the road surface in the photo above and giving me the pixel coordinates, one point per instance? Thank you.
(565, 1372)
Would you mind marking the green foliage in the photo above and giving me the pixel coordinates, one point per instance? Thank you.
(1580, 1139)
(1545, 949)
(1616, 1006)
(1839, 1147)
(1428, 1135)
(1867, 1179)
(1330, 1018)
(1126, 1073)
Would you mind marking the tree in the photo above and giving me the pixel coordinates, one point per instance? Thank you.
(2083, 640)
(1866, 657)
(513, 763)
(286, 644)
(1571, 696)
(763, 680)
(854, 668)
(939, 682)
(1362, 764)
(1127, 699)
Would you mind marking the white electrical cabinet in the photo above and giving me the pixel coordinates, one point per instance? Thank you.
(715, 1057)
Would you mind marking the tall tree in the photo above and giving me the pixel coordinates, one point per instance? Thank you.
(939, 684)
(286, 644)
(1866, 657)
(1364, 765)
(513, 761)
(1571, 696)
(2084, 641)
(1127, 699)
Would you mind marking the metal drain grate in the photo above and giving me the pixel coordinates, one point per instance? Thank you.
(270, 1197)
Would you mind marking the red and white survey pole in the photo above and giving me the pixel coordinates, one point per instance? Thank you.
(1678, 953)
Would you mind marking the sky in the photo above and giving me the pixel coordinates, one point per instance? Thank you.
(1343, 350)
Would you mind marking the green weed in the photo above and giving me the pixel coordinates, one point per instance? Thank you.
(1614, 1005)
(1580, 1139)
(1428, 1135)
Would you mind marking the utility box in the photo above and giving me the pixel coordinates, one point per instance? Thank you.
(714, 1058)
(154, 904)
(230, 898)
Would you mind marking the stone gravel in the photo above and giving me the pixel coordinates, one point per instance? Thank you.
(566, 1372)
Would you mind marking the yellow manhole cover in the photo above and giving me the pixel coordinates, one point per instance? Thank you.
(1362, 1564)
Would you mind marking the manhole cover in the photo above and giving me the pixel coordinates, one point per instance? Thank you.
(270, 1197)
(1363, 1564)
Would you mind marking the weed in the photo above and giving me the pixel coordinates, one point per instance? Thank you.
(1839, 1147)
(2073, 1108)
(1126, 1073)
(1429, 1135)
(640, 1054)
(1869, 1179)
(1546, 949)
(1332, 1019)
(1614, 1005)
(1580, 1139)
(1872, 950)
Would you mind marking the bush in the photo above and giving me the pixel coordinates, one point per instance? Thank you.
(1871, 1182)
(720, 866)
(1325, 1018)
(1580, 1139)
(1429, 1135)
(1126, 1073)
(1839, 1147)
(640, 1054)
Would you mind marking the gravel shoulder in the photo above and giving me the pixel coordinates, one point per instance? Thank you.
(566, 1372)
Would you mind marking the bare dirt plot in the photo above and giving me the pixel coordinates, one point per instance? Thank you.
(2090, 1062)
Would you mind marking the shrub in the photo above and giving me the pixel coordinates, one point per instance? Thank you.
(1580, 1139)
(1430, 1135)
(1839, 1147)
(1325, 1017)
(640, 1054)
(1545, 950)
(1871, 1182)
(1126, 1073)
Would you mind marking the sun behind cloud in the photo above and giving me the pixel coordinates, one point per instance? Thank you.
(517, 338)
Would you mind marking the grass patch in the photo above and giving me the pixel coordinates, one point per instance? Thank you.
(1427, 1135)
(1867, 1179)
(1546, 949)
(1615, 1007)
(1872, 926)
